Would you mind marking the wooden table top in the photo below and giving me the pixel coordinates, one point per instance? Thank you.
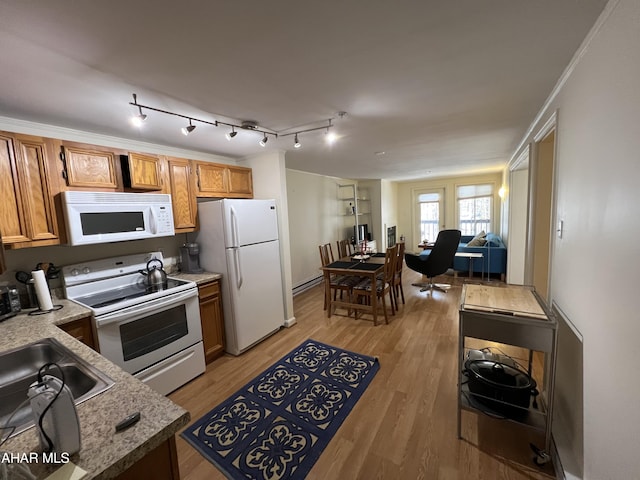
(510, 299)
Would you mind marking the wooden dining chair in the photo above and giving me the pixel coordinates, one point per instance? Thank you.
(397, 278)
(344, 248)
(337, 283)
(383, 285)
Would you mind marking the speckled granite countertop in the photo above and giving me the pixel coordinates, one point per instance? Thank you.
(104, 453)
(199, 278)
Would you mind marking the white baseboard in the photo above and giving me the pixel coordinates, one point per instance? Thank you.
(290, 322)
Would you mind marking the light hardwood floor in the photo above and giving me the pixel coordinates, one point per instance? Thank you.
(404, 426)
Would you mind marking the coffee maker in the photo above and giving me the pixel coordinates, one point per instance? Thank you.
(190, 258)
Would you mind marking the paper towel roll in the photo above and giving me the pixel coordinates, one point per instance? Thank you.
(42, 290)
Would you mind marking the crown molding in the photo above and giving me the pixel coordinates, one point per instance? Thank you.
(63, 133)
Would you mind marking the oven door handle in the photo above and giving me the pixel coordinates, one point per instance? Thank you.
(148, 307)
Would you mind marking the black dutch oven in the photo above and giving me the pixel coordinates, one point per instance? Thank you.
(503, 388)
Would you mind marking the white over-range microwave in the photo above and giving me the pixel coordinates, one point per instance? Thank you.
(101, 217)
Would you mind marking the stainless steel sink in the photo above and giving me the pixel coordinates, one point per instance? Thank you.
(19, 369)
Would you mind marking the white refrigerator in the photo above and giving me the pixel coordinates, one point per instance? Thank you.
(239, 239)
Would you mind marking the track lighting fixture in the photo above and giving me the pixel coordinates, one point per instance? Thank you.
(244, 125)
(231, 134)
(188, 129)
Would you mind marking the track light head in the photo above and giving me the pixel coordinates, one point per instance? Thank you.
(296, 143)
(188, 129)
(231, 134)
(138, 120)
(264, 140)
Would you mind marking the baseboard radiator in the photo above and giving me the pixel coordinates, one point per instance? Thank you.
(306, 285)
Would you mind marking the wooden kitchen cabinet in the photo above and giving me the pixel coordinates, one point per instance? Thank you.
(91, 167)
(82, 329)
(212, 320)
(141, 171)
(183, 198)
(240, 182)
(211, 179)
(27, 188)
(223, 181)
(160, 464)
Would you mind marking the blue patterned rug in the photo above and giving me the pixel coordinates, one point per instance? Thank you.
(276, 426)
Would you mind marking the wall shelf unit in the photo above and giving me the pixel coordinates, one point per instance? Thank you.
(355, 211)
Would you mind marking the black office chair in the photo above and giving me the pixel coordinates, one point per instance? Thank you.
(437, 262)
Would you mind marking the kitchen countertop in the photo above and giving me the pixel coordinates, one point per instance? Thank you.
(199, 278)
(104, 453)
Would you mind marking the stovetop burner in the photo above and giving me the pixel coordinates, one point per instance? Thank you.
(127, 292)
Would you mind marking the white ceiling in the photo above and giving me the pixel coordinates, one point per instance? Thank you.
(442, 87)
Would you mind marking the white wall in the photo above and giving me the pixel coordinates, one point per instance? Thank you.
(407, 206)
(270, 181)
(313, 220)
(389, 208)
(594, 265)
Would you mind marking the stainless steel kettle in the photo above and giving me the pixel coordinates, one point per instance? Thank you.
(155, 274)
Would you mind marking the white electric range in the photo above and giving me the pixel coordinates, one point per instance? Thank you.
(152, 332)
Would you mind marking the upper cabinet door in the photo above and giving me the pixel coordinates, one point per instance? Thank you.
(41, 219)
(183, 199)
(12, 212)
(212, 180)
(240, 182)
(223, 181)
(27, 213)
(142, 172)
(90, 168)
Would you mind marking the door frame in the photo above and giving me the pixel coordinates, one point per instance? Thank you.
(549, 127)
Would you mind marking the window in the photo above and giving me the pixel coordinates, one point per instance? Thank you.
(474, 208)
(429, 208)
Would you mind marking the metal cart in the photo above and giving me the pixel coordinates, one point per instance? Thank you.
(517, 316)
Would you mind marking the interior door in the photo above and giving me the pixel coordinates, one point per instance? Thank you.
(518, 219)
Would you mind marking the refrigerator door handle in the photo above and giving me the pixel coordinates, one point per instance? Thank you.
(234, 227)
(236, 262)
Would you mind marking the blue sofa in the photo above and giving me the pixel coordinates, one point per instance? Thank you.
(493, 261)
(494, 255)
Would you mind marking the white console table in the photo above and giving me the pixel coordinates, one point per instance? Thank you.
(471, 256)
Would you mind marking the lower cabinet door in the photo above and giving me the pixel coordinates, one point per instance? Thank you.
(212, 320)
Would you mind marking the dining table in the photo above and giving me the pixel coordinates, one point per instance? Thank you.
(364, 266)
